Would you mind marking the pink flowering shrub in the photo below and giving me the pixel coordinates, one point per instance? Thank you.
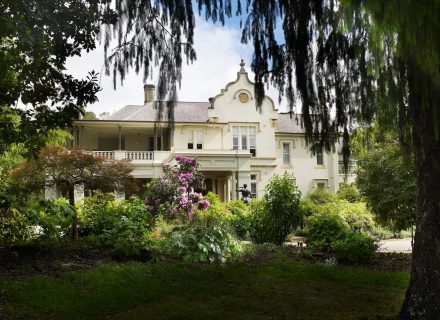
(174, 195)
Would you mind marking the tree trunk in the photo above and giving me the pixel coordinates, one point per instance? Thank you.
(74, 227)
(422, 299)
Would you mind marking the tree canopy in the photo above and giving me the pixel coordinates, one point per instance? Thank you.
(386, 177)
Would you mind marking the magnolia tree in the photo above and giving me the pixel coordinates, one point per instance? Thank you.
(174, 195)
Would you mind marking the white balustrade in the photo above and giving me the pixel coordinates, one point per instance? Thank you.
(121, 154)
(104, 154)
(139, 155)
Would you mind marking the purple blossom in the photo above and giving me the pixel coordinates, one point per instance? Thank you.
(157, 202)
(204, 204)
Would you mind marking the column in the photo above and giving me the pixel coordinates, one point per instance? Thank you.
(120, 137)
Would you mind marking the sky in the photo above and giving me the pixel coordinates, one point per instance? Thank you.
(219, 52)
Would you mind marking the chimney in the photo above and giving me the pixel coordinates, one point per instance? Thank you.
(149, 91)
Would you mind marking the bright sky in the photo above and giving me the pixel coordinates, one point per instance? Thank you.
(219, 51)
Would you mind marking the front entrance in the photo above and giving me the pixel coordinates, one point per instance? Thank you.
(218, 183)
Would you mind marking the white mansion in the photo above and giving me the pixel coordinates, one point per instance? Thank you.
(235, 143)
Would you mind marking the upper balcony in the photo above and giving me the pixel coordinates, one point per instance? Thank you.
(137, 157)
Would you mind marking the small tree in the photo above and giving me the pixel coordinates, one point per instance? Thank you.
(386, 178)
(279, 212)
(57, 166)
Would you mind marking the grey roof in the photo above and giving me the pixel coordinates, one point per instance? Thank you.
(183, 112)
(193, 112)
(290, 123)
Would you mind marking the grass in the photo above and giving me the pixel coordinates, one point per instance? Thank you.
(278, 289)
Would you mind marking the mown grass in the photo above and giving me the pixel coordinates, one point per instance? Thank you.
(278, 289)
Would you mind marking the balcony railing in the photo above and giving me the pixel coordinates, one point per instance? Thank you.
(350, 168)
(132, 155)
(104, 154)
(139, 155)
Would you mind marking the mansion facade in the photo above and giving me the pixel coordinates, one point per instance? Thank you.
(235, 143)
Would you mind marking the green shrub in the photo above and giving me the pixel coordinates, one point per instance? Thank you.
(259, 230)
(96, 215)
(53, 218)
(203, 244)
(123, 224)
(355, 248)
(321, 196)
(14, 227)
(101, 213)
(216, 214)
(239, 218)
(349, 192)
(324, 229)
(356, 214)
(279, 213)
(128, 238)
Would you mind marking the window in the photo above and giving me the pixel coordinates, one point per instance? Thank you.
(286, 153)
(244, 138)
(150, 143)
(195, 139)
(319, 157)
(254, 185)
(199, 139)
(151, 146)
(159, 143)
(235, 138)
(190, 140)
(321, 183)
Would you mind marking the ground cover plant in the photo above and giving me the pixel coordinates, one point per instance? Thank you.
(265, 284)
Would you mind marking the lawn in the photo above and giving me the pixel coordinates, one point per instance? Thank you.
(279, 288)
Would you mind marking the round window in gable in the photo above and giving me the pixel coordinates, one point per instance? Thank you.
(243, 97)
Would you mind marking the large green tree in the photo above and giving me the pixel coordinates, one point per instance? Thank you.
(36, 38)
(385, 177)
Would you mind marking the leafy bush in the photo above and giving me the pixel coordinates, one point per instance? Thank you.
(96, 215)
(355, 248)
(53, 218)
(356, 215)
(203, 244)
(258, 228)
(321, 196)
(216, 214)
(14, 227)
(124, 225)
(128, 238)
(101, 213)
(279, 212)
(349, 192)
(324, 229)
(239, 218)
